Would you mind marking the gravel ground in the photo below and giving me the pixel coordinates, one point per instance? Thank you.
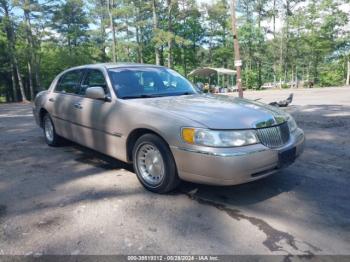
(72, 200)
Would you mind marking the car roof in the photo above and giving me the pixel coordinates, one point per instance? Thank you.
(113, 65)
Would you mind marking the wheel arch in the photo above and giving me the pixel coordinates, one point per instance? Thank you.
(136, 134)
(42, 113)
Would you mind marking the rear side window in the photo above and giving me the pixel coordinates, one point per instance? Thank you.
(70, 82)
(93, 78)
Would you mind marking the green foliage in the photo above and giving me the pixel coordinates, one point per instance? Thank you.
(70, 20)
(57, 59)
(309, 41)
(250, 78)
(332, 75)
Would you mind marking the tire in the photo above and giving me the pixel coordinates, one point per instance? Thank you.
(51, 137)
(154, 164)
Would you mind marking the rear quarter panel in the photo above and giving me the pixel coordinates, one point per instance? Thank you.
(39, 103)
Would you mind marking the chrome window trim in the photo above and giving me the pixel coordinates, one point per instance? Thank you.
(85, 72)
(66, 72)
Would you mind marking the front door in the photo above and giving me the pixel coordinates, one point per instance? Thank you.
(95, 118)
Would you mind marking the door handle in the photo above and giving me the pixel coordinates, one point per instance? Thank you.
(78, 106)
(51, 99)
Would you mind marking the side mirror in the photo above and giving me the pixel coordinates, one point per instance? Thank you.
(95, 92)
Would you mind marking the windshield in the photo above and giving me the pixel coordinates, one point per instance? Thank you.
(142, 82)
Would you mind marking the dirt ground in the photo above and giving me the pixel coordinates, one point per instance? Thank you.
(71, 200)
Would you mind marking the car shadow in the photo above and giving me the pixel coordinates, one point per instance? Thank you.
(97, 159)
(237, 195)
(244, 194)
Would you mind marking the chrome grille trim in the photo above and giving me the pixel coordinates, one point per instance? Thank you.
(275, 136)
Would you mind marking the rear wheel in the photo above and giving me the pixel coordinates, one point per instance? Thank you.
(154, 164)
(51, 138)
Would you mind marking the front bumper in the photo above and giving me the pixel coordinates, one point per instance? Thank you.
(231, 166)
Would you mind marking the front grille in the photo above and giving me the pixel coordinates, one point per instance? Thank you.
(275, 136)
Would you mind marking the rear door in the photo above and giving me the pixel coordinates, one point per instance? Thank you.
(64, 103)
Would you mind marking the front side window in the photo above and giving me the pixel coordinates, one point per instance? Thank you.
(70, 82)
(140, 82)
(93, 78)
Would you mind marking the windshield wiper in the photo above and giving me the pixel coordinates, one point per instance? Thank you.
(156, 95)
(139, 96)
(185, 94)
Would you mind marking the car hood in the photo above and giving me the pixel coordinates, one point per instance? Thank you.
(219, 111)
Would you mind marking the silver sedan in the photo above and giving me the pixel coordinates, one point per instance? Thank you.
(153, 117)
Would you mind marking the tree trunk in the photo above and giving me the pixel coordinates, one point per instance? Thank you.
(11, 46)
(155, 28)
(127, 38)
(20, 81)
(211, 43)
(14, 86)
(274, 19)
(296, 77)
(315, 69)
(31, 88)
(141, 45)
(348, 74)
(236, 48)
(287, 56)
(37, 74)
(31, 62)
(110, 4)
(138, 45)
(69, 45)
(161, 55)
(274, 43)
(281, 59)
(259, 74)
(184, 65)
(170, 40)
(139, 36)
(103, 38)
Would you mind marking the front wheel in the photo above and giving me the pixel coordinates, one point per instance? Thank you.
(154, 164)
(51, 138)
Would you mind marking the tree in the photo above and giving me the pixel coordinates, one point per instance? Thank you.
(290, 41)
(70, 20)
(98, 11)
(110, 5)
(28, 7)
(155, 30)
(170, 4)
(10, 33)
(236, 45)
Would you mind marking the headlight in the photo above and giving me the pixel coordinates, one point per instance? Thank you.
(213, 138)
(292, 124)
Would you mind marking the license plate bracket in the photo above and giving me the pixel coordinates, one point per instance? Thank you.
(287, 157)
